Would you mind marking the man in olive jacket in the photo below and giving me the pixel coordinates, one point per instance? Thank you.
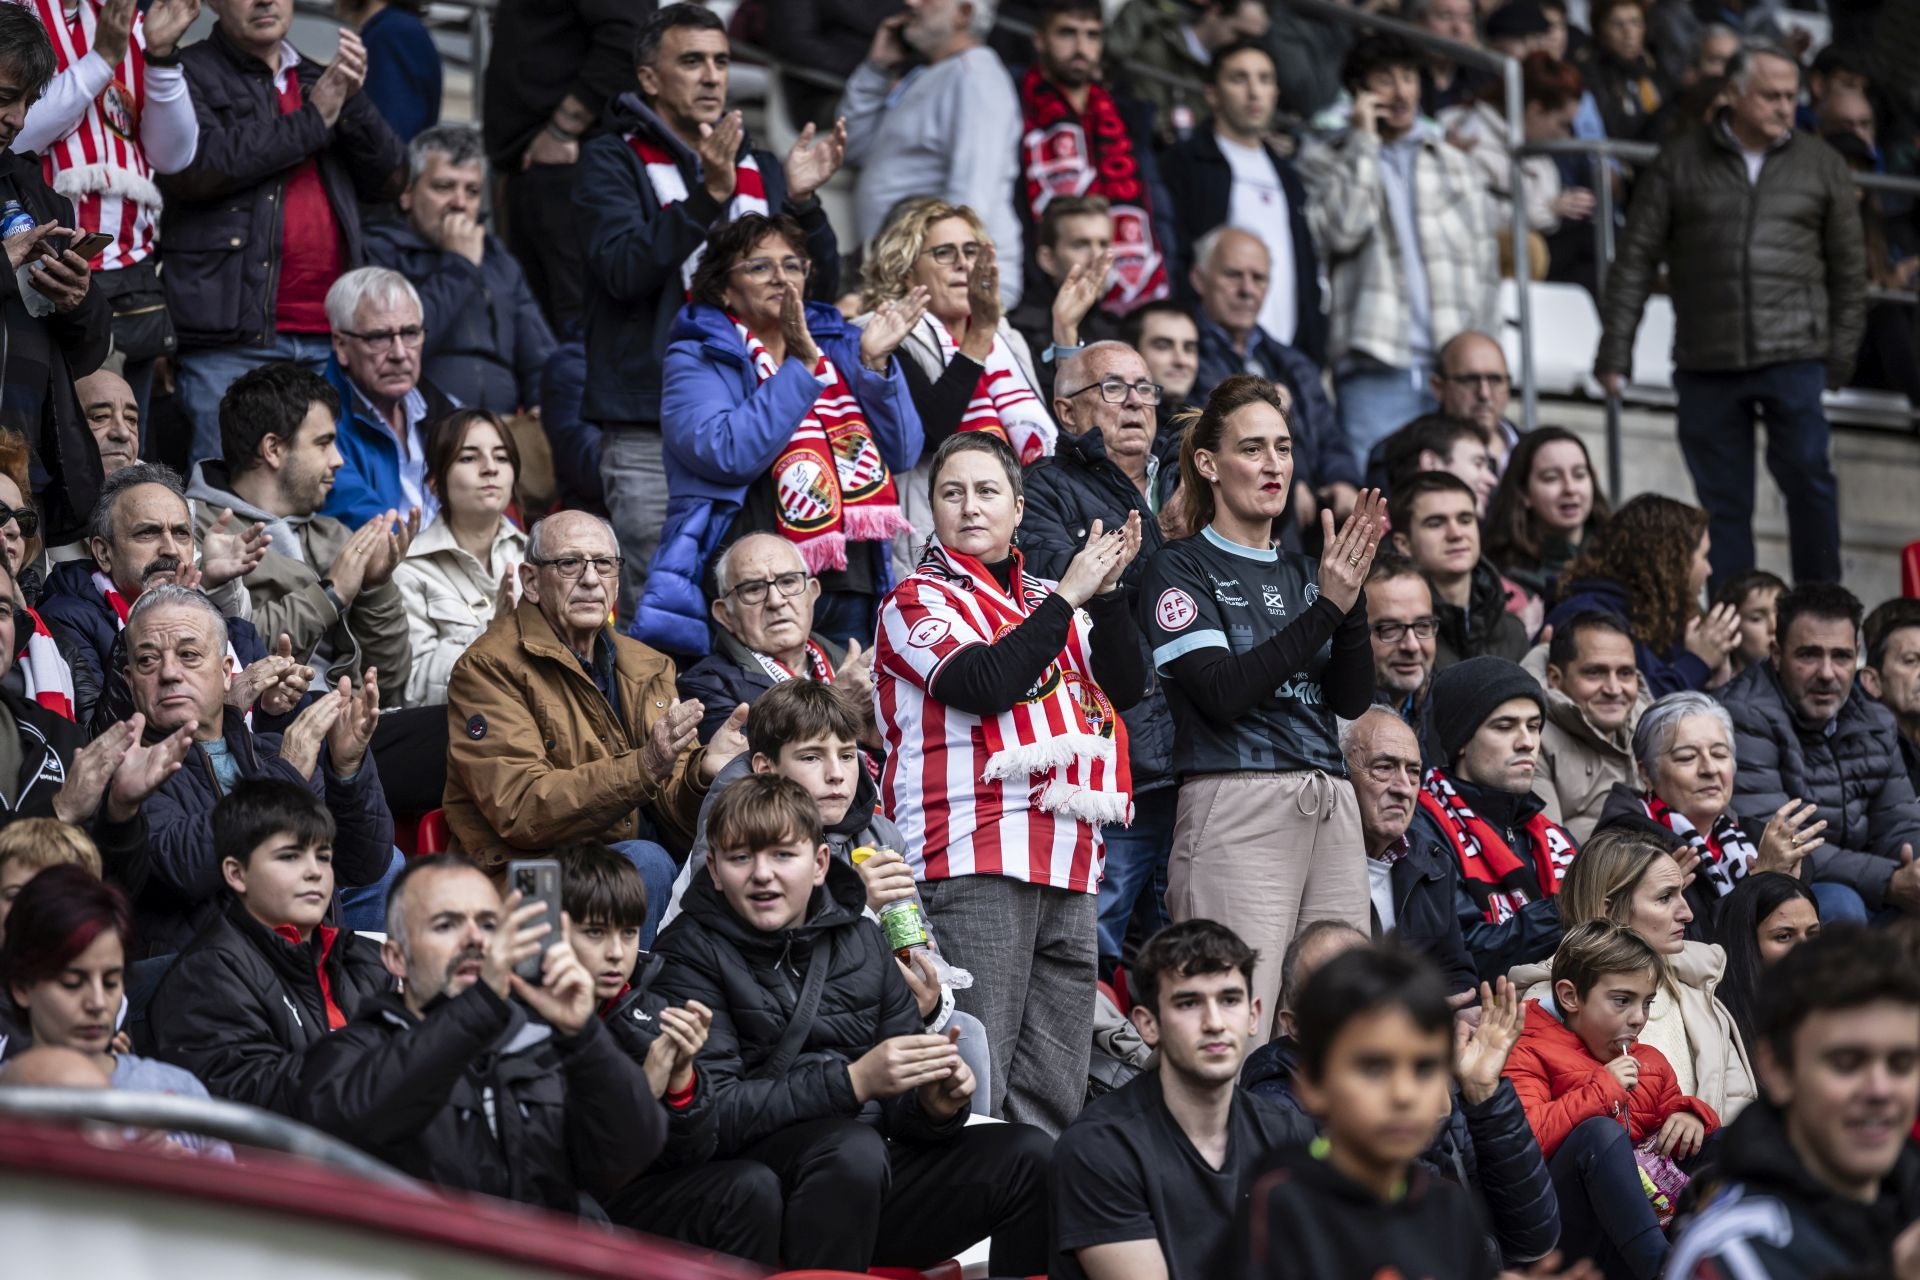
(1760, 229)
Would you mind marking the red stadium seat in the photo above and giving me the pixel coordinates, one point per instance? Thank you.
(432, 835)
(948, 1270)
(1910, 571)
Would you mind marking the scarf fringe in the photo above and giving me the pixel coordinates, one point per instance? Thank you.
(1059, 752)
(1098, 808)
(828, 551)
(874, 524)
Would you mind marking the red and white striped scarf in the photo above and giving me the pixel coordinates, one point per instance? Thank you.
(49, 679)
(819, 666)
(101, 165)
(670, 188)
(830, 482)
(1004, 402)
(1064, 736)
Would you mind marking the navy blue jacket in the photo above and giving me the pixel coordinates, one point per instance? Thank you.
(729, 676)
(1424, 887)
(1530, 934)
(1320, 456)
(403, 71)
(575, 441)
(1664, 674)
(635, 250)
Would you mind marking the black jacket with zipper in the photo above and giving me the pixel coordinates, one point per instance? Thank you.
(223, 222)
(1529, 934)
(753, 981)
(242, 1005)
(633, 1019)
(1425, 889)
(1483, 627)
(48, 743)
(477, 1096)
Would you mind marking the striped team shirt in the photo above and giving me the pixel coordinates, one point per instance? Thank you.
(954, 823)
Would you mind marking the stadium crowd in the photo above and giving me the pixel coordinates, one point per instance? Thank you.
(1314, 832)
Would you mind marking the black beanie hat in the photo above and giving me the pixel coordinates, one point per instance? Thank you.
(1517, 20)
(1466, 693)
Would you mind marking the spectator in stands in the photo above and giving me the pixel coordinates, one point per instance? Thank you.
(1230, 175)
(1837, 71)
(386, 407)
(1268, 836)
(174, 640)
(1078, 142)
(1848, 111)
(1820, 1176)
(1106, 468)
(115, 113)
(1601, 1097)
(1752, 594)
(1547, 510)
(65, 963)
(1753, 330)
(1009, 855)
(56, 324)
(265, 979)
(557, 67)
(966, 367)
(1719, 45)
(823, 35)
(20, 545)
(1767, 915)
(1648, 566)
(1308, 50)
(458, 575)
(1436, 442)
(1402, 625)
(1886, 347)
(933, 112)
(487, 343)
(1627, 84)
(1483, 1145)
(1402, 221)
(403, 67)
(1436, 525)
(1168, 339)
(1470, 380)
(1232, 274)
(1630, 879)
(113, 415)
(767, 402)
(1594, 699)
(795, 1100)
(1892, 672)
(763, 607)
(29, 846)
(572, 731)
(1479, 804)
(289, 150)
(1074, 253)
(405, 1079)
(674, 166)
(1179, 38)
(1443, 82)
(1805, 731)
(1125, 1201)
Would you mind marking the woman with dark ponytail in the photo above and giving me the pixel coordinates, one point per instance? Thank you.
(1260, 648)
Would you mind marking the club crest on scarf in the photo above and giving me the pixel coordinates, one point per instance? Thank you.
(808, 502)
(118, 110)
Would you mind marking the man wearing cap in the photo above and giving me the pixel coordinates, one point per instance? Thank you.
(1487, 715)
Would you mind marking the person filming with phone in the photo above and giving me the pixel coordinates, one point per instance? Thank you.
(473, 1076)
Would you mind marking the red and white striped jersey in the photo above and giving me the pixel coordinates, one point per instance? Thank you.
(954, 823)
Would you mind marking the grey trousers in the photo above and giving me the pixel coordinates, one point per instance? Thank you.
(1033, 952)
(635, 479)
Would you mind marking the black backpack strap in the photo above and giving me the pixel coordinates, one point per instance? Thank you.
(796, 1034)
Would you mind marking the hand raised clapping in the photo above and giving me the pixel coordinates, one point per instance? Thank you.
(1348, 555)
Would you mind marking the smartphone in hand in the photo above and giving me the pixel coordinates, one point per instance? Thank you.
(538, 880)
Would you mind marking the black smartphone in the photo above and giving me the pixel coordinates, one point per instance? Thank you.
(538, 880)
(88, 246)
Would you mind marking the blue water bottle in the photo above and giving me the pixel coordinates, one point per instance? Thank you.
(14, 219)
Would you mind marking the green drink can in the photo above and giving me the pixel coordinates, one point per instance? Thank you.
(905, 926)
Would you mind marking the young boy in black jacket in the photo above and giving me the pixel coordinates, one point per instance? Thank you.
(819, 1065)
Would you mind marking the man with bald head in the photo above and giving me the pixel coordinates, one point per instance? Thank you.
(113, 415)
(1470, 380)
(561, 729)
(763, 601)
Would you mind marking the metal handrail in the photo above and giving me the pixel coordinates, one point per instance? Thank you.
(208, 1117)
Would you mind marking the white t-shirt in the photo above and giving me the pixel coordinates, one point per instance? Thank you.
(1380, 886)
(1754, 160)
(1259, 205)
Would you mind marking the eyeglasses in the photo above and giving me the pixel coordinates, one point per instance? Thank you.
(1114, 391)
(760, 270)
(948, 254)
(1487, 380)
(26, 517)
(574, 566)
(755, 591)
(1391, 632)
(411, 336)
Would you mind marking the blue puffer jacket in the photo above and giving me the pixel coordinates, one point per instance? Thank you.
(723, 429)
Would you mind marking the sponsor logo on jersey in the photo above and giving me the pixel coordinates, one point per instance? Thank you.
(1270, 597)
(1227, 591)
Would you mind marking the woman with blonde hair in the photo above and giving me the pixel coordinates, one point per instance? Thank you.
(1628, 877)
(967, 369)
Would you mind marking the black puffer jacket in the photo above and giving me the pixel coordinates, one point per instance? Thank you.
(222, 223)
(1761, 272)
(242, 1005)
(1852, 770)
(1486, 1148)
(1425, 897)
(633, 1019)
(1529, 934)
(1065, 494)
(753, 981)
(1483, 627)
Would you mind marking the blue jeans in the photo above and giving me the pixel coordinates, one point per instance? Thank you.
(1136, 861)
(657, 871)
(364, 909)
(1716, 434)
(1604, 1213)
(1373, 403)
(202, 377)
(1838, 903)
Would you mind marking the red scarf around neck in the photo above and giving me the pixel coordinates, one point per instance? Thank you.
(1499, 880)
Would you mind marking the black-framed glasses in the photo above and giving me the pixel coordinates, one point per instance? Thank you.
(1391, 632)
(1114, 390)
(754, 591)
(574, 566)
(27, 518)
(948, 254)
(1487, 380)
(409, 336)
(760, 270)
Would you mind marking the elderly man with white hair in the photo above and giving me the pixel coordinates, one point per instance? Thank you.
(563, 730)
(386, 407)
